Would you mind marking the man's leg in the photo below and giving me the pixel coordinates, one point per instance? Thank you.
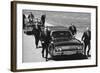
(36, 41)
(43, 48)
(85, 46)
(46, 52)
(88, 49)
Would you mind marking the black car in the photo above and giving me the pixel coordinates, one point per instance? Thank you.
(63, 42)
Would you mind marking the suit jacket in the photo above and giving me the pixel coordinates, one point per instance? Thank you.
(45, 37)
(36, 31)
(86, 36)
(43, 19)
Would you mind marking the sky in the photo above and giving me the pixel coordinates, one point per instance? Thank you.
(80, 20)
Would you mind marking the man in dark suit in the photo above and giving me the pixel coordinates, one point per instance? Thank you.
(43, 20)
(86, 39)
(31, 17)
(73, 29)
(45, 40)
(36, 32)
(42, 35)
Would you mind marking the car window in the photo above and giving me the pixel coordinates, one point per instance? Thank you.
(58, 34)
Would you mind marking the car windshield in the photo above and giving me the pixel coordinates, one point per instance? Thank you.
(59, 34)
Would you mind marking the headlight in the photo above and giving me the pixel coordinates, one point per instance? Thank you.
(58, 49)
(51, 41)
(79, 47)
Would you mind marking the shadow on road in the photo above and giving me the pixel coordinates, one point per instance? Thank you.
(69, 57)
(28, 32)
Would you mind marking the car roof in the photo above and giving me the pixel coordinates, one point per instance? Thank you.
(57, 28)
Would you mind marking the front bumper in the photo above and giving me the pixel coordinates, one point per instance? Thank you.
(67, 50)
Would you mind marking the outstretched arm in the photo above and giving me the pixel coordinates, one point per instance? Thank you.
(83, 36)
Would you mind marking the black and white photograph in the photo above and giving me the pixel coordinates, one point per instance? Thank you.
(53, 36)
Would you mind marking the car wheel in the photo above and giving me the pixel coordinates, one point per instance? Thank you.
(51, 50)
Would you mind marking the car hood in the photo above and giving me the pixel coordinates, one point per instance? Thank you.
(64, 42)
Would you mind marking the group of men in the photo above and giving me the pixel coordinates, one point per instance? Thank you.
(31, 18)
(42, 33)
(86, 38)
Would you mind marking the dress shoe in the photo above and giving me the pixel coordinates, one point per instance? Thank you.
(36, 46)
(46, 59)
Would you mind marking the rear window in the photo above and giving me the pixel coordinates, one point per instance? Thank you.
(58, 34)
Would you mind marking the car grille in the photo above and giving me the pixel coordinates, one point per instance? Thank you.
(69, 48)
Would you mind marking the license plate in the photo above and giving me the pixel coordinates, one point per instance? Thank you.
(69, 52)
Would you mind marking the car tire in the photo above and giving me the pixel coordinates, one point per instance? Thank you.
(51, 50)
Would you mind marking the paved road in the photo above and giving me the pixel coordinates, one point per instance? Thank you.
(30, 52)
